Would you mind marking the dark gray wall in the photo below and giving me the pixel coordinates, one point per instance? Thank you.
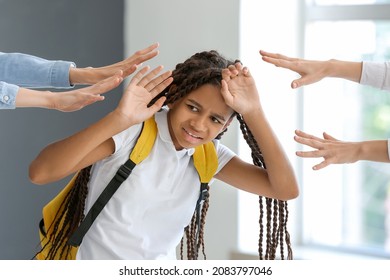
(88, 32)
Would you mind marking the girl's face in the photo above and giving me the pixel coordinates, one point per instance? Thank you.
(198, 117)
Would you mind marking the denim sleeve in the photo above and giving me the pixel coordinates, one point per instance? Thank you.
(8, 95)
(34, 72)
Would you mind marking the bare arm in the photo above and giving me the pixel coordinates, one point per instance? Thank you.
(67, 101)
(278, 180)
(312, 71)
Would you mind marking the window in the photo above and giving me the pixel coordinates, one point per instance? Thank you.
(342, 208)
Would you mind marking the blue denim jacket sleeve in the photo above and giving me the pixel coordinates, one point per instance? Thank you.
(30, 71)
(8, 95)
(17, 69)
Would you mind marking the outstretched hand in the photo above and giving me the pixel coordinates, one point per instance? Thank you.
(239, 89)
(332, 150)
(134, 105)
(311, 71)
(69, 101)
(93, 75)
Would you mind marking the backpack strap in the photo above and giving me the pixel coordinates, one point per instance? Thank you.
(141, 150)
(206, 163)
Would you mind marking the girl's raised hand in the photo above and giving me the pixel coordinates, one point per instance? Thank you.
(239, 89)
(142, 88)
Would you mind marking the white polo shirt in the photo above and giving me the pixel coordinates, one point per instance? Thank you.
(146, 217)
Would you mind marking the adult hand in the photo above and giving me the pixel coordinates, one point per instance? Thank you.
(77, 99)
(311, 71)
(91, 75)
(332, 150)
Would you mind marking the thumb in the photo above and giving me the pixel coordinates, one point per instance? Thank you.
(300, 82)
(328, 137)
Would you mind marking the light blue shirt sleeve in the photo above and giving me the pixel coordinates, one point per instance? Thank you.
(17, 69)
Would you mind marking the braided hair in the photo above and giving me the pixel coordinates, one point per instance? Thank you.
(206, 68)
(200, 69)
(67, 219)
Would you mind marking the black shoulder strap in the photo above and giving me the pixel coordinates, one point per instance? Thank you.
(121, 175)
(140, 151)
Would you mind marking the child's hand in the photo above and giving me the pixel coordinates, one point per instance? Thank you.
(141, 90)
(239, 89)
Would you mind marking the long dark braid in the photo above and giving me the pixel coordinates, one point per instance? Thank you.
(276, 228)
(68, 218)
(205, 68)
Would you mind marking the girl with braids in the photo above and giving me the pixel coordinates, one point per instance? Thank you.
(152, 212)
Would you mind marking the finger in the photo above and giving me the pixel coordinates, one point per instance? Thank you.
(158, 80)
(233, 70)
(146, 57)
(306, 135)
(303, 81)
(160, 87)
(146, 53)
(152, 74)
(148, 49)
(276, 56)
(321, 165)
(226, 93)
(226, 74)
(245, 71)
(156, 106)
(131, 64)
(238, 66)
(92, 99)
(138, 76)
(309, 142)
(130, 70)
(295, 84)
(104, 85)
(310, 154)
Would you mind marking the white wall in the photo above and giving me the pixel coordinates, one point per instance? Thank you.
(184, 27)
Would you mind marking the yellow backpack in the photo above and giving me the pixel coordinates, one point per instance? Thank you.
(205, 161)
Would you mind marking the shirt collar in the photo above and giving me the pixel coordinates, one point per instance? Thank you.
(161, 118)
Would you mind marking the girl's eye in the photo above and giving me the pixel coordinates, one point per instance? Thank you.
(193, 108)
(215, 120)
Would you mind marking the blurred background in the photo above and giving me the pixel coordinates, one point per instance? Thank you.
(342, 212)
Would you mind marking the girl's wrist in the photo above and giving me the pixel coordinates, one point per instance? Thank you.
(122, 119)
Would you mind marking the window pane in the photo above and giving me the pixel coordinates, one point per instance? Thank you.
(345, 205)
